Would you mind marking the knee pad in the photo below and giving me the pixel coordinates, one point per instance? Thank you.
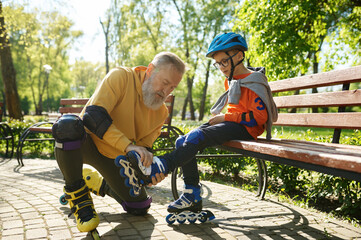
(137, 208)
(97, 120)
(180, 140)
(68, 132)
(195, 136)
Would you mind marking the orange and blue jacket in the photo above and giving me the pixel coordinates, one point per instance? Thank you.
(250, 110)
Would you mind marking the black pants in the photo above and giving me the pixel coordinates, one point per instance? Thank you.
(71, 165)
(208, 136)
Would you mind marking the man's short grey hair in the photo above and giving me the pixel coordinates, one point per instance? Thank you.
(166, 58)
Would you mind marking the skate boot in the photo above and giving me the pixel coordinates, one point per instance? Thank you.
(81, 205)
(94, 181)
(188, 207)
(135, 173)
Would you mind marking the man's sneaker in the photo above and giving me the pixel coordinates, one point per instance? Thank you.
(190, 200)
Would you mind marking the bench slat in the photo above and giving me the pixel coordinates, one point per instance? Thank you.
(274, 147)
(328, 99)
(352, 74)
(77, 101)
(348, 120)
(40, 129)
(64, 110)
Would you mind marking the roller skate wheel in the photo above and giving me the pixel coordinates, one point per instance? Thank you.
(118, 159)
(62, 200)
(127, 183)
(95, 234)
(203, 218)
(122, 173)
(192, 218)
(170, 219)
(182, 218)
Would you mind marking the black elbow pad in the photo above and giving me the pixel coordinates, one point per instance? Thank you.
(97, 120)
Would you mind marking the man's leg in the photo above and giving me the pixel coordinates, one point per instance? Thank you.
(69, 136)
(114, 183)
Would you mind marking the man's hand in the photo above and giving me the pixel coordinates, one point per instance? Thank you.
(146, 157)
(216, 119)
(157, 179)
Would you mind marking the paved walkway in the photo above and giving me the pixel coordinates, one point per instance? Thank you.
(30, 209)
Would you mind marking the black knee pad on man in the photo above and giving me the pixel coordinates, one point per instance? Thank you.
(68, 132)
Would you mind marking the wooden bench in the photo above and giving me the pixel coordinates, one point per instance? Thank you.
(6, 134)
(75, 106)
(330, 158)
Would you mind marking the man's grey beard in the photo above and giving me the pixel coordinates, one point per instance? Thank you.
(150, 96)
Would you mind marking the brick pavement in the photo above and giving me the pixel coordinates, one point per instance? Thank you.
(30, 209)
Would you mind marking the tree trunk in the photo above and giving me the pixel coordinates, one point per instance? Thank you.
(8, 73)
(106, 35)
(184, 109)
(190, 97)
(204, 95)
(315, 70)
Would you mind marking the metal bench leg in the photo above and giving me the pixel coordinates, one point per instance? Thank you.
(262, 178)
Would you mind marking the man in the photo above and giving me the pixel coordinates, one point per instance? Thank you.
(125, 113)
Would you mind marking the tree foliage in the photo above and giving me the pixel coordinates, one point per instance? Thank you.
(36, 43)
(287, 36)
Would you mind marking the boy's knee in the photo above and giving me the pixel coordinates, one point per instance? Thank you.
(195, 136)
(180, 140)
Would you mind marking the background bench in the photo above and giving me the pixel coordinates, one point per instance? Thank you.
(330, 158)
(75, 106)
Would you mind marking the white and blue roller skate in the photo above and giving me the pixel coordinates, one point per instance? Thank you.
(188, 207)
(135, 174)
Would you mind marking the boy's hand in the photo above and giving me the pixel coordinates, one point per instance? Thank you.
(216, 119)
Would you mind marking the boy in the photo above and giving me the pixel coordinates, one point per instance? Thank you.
(250, 110)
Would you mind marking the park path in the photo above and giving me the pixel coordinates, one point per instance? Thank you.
(30, 209)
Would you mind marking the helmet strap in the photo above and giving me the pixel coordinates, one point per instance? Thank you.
(233, 67)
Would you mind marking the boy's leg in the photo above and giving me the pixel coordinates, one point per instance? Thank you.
(213, 135)
(200, 138)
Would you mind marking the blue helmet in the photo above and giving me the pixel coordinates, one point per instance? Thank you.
(227, 42)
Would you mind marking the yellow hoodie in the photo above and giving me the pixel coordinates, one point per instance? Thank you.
(120, 93)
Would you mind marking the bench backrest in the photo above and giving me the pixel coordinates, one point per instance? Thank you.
(340, 97)
(72, 105)
(75, 106)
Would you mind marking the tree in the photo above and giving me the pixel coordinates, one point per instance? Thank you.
(8, 72)
(287, 36)
(37, 43)
(216, 14)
